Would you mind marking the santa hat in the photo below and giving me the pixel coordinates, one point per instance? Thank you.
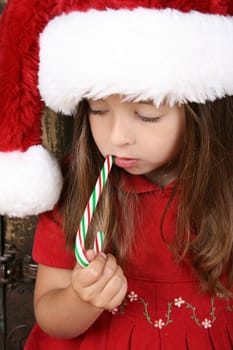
(57, 52)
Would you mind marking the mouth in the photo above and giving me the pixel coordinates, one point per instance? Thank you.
(125, 162)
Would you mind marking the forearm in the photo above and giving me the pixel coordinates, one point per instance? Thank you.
(62, 314)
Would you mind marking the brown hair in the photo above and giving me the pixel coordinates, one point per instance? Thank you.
(205, 179)
(79, 180)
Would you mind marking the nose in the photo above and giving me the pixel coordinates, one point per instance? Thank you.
(122, 131)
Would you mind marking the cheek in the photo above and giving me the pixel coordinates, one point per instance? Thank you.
(97, 131)
(94, 127)
(177, 137)
(171, 139)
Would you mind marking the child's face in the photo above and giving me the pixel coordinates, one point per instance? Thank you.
(141, 136)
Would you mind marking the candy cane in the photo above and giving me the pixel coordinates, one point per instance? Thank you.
(87, 216)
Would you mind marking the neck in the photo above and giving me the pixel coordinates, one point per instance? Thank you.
(164, 175)
(161, 181)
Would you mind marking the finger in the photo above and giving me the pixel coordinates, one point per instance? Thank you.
(108, 270)
(111, 283)
(90, 254)
(99, 274)
(113, 294)
(89, 275)
(115, 291)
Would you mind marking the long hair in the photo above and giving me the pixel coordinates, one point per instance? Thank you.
(205, 220)
(84, 165)
(205, 181)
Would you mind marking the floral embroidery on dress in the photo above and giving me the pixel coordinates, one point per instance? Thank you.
(132, 296)
(115, 310)
(206, 323)
(159, 324)
(178, 302)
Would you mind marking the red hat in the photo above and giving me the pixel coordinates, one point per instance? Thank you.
(60, 51)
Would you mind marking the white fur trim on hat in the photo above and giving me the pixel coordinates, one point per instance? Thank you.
(30, 182)
(142, 53)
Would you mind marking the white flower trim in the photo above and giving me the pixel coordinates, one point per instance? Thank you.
(178, 302)
(132, 296)
(159, 324)
(141, 53)
(206, 323)
(30, 182)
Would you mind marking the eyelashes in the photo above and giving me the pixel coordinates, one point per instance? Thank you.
(96, 111)
(143, 118)
(149, 119)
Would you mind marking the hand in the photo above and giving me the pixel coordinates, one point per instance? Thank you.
(101, 284)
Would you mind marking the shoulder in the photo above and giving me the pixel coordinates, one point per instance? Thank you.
(49, 242)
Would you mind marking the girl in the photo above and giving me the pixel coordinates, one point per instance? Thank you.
(165, 278)
(150, 86)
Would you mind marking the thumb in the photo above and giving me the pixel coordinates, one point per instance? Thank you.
(90, 254)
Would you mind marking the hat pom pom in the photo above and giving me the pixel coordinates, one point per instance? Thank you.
(30, 182)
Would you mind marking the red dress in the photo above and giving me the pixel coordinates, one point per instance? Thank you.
(164, 308)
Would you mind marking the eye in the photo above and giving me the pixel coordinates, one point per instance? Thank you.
(97, 111)
(148, 119)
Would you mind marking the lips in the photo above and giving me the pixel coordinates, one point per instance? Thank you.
(125, 162)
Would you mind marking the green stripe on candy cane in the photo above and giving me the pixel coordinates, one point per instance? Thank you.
(80, 252)
(87, 216)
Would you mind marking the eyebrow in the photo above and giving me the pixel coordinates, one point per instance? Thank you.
(147, 102)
